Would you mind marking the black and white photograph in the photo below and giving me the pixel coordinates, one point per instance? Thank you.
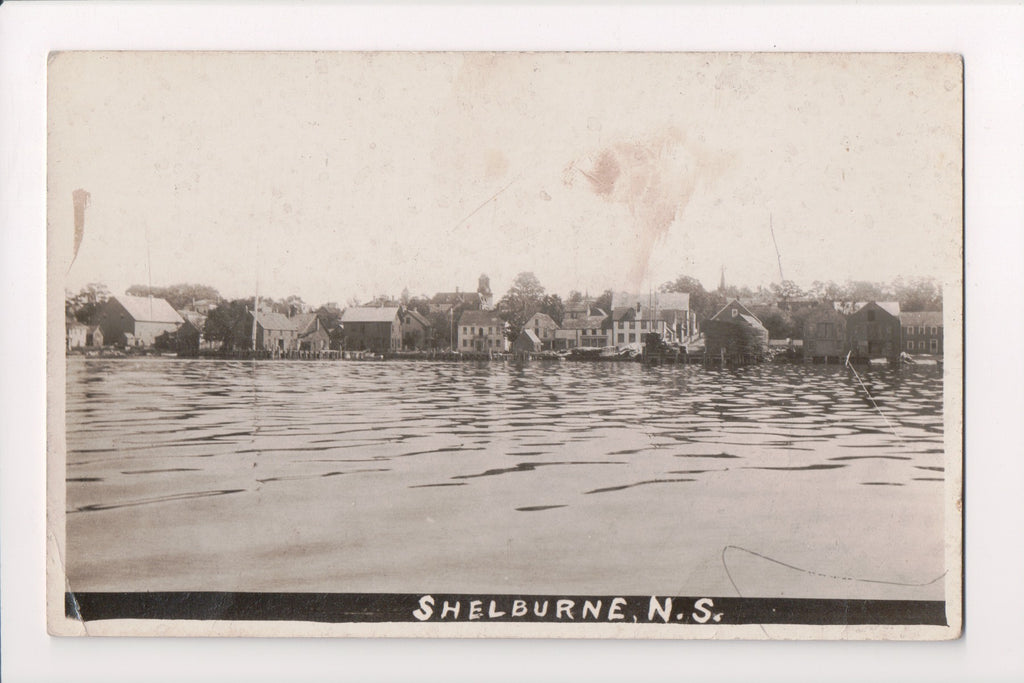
(659, 345)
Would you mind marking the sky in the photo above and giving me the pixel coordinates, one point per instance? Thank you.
(341, 176)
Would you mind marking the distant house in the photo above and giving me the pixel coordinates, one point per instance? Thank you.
(584, 308)
(527, 342)
(922, 332)
(417, 331)
(480, 332)
(274, 332)
(312, 333)
(94, 336)
(671, 307)
(189, 337)
(544, 328)
(873, 330)
(76, 333)
(824, 333)
(630, 324)
(583, 332)
(735, 332)
(136, 320)
(456, 299)
(376, 329)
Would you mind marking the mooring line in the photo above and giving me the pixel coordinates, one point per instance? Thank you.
(871, 398)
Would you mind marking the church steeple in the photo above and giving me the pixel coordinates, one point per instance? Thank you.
(721, 282)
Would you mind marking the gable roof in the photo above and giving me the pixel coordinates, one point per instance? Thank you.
(743, 310)
(148, 309)
(624, 313)
(541, 320)
(415, 315)
(916, 318)
(480, 318)
(530, 335)
(274, 321)
(369, 314)
(851, 307)
(585, 323)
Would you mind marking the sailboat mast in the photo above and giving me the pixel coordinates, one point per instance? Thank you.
(778, 254)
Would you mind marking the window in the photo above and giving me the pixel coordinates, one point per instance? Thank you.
(632, 338)
(934, 345)
(465, 342)
(910, 331)
(735, 312)
(910, 346)
(622, 337)
(935, 330)
(920, 330)
(490, 343)
(920, 346)
(490, 330)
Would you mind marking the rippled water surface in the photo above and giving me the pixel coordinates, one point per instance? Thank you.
(504, 477)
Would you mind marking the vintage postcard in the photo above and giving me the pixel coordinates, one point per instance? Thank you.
(599, 345)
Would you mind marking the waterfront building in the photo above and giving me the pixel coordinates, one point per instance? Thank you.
(527, 342)
(312, 332)
(136, 320)
(922, 332)
(544, 328)
(417, 331)
(671, 307)
(873, 330)
(480, 332)
(583, 332)
(376, 329)
(735, 333)
(274, 332)
(824, 333)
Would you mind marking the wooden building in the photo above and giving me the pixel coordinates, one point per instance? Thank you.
(873, 330)
(376, 329)
(417, 331)
(274, 332)
(527, 342)
(76, 333)
(735, 334)
(136, 320)
(582, 332)
(824, 334)
(313, 334)
(481, 332)
(544, 328)
(922, 332)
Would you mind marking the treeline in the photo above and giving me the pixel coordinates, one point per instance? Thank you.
(770, 304)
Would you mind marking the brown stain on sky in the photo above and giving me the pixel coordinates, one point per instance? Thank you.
(655, 178)
(80, 201)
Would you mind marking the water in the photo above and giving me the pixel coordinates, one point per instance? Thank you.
(601, 478)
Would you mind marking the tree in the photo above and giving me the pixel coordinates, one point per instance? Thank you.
(221, 322)
(785, 290)
(920, 294)
(179, 296)
(604, 302)
(553, 306)
(523, 299)
(330, 315)
(86, 304)
(825, 291)
(575, 297)
(703, 303)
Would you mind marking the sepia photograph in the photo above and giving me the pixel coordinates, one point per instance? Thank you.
(505, 344)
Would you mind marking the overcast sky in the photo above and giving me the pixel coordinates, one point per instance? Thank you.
(341, 175)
